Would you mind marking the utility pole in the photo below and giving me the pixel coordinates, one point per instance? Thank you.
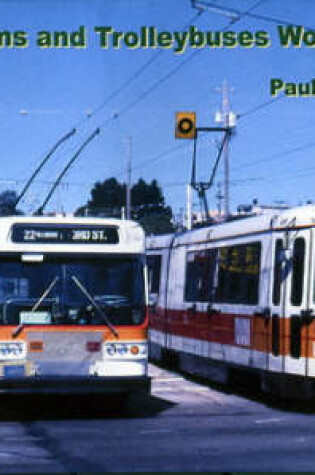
(128, 185)
(188, 207)
(226, 123)
(228, 119)
(219, 197)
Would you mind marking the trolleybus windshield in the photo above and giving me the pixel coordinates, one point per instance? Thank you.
(61, 290)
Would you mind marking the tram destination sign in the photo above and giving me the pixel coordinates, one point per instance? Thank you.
(64, 234)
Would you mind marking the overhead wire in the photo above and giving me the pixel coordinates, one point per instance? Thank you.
(130, 80)
(160, 81)
(135, 75)
(183, 183)
(157, 157)
(256, 16)
(235, 13)
(260, 106)
(276, 155)
(173, 71)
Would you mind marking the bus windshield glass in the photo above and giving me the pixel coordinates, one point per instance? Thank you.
(72, 290)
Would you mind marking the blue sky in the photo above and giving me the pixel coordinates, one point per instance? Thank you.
(271, 153)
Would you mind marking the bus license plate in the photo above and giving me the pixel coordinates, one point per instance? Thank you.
(14, 371)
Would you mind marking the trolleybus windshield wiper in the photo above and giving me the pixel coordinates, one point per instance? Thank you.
(52, 284)
(95, 305)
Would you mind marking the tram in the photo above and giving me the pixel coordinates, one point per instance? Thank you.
(238, 297)
(72, 306)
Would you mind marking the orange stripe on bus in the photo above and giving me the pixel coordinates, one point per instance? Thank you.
(127, 333)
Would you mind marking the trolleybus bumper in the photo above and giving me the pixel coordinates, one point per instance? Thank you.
(76, 385)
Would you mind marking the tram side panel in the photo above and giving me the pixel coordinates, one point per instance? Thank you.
(157, 262)
(261, 318)
(199, 265)
(243, 289)
(203, 335)
(236, 298)
(310, 327)
(290, 328)
(298, 300)
(177, 328)
(198, 315)
(246, 302)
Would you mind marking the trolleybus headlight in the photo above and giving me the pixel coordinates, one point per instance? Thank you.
(126, 349)
(122, 349)
(12, 349)
(110, 350)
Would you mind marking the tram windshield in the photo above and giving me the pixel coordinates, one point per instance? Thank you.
(76, 290)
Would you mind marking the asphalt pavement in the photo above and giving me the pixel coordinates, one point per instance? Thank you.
(185, 425)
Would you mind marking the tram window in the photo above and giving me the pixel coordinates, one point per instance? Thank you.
(277, 272)
(154, 272)
(297, 271)
(200, 272)
(238, 276)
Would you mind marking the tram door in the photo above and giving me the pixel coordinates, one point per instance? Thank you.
(290, 302)
(298, 302)
(274, 333)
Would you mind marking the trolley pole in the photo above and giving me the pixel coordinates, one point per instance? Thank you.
(128, 184)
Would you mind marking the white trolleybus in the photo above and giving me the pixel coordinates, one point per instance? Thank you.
(72, 306)
(238, 297)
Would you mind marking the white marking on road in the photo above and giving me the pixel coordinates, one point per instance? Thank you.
(266, 421)
(168, 380)
(164, 390)
(205, 393)
(155, 431)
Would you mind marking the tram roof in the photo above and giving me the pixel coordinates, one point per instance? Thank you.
(292, 218)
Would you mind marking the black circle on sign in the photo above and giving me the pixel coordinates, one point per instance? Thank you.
(185, 125)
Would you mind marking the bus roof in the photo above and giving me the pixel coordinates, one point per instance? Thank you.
(70, 234)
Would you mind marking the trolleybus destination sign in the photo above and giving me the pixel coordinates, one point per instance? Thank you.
(61, 234)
